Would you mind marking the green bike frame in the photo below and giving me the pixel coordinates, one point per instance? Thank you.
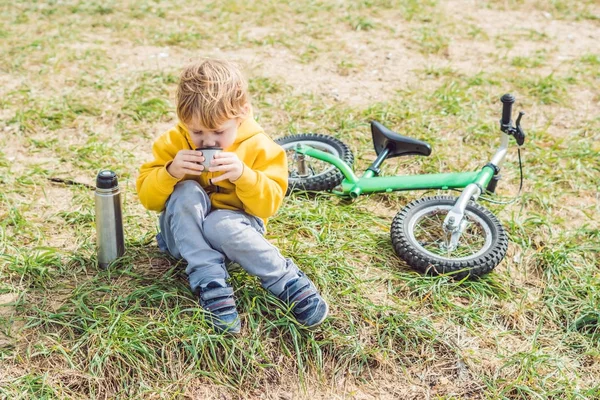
(354, 186)
(474, 183)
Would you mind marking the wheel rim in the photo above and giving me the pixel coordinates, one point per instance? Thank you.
(314, 167)
(426, 232)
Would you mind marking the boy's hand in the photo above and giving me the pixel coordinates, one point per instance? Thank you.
(230, 164)
(186, 162)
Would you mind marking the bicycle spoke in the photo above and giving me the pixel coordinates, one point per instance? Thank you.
(434, 238)
(429, 231)
(313, 166)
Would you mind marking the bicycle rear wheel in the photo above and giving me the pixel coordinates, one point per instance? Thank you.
(311, 174)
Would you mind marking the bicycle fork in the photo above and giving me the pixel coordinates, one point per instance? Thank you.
(455, 222)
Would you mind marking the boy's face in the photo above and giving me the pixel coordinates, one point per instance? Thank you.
(223, 136)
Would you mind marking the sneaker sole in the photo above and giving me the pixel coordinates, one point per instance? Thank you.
(234, 329)
(319, 322)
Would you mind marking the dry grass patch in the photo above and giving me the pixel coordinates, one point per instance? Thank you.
(86, 86)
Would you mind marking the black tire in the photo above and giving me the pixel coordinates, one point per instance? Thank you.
(418, 249)
(321, 175)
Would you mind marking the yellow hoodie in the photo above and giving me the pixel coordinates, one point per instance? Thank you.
(259, 191)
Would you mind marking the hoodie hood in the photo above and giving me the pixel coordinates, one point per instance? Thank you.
(248, 128)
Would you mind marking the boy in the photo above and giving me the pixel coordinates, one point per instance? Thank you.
(212, 216)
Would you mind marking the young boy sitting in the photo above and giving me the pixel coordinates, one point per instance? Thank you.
(214, 216)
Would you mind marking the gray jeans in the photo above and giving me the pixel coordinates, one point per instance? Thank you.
(209, 240)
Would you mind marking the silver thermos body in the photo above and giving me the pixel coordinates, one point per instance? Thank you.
(109, 219)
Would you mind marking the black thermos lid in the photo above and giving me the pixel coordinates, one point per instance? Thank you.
(106, 179)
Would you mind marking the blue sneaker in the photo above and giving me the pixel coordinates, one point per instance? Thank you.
(217, 298)
(308, 306)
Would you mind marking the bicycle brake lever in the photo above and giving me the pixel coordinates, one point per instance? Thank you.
(518, 133)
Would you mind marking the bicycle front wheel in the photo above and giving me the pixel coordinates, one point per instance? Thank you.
(311, 174)
(421, 241)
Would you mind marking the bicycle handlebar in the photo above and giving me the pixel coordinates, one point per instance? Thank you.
(506, 124)
(507, 101)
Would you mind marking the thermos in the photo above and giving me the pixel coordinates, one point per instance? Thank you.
(109, 220)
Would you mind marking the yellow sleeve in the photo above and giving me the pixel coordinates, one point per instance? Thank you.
(154, 184)
(262, 185)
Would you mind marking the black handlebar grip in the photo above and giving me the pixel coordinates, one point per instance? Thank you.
(507, 101)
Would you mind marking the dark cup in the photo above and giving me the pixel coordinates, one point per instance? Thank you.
(209, 154)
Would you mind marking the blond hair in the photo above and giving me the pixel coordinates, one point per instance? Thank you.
(211, 92)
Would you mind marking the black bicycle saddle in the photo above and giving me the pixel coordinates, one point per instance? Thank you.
(397, 144)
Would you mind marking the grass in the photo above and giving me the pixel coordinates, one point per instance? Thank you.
(89, 85)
